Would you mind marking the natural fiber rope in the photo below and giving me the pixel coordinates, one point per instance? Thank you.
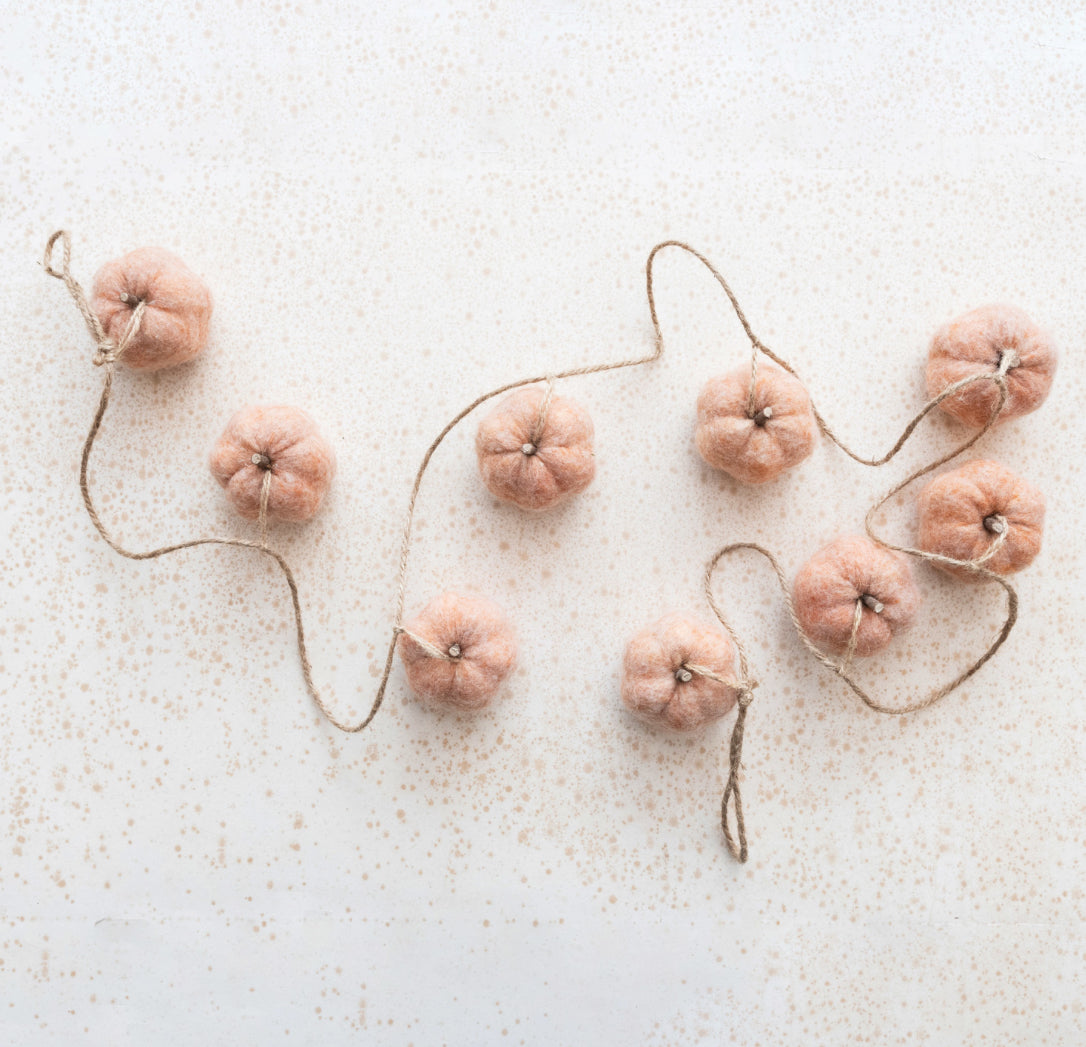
(107, 354)
(843, 669)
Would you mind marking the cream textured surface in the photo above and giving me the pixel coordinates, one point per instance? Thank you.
(398, 207)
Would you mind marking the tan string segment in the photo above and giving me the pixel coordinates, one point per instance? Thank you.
(843, 669)
(107, 354)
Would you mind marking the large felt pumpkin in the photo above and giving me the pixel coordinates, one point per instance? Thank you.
(977, 343)
(963, 512)
(282, 443)
(854, 571)
(177, 307)
(535, 450)
(662, 681)
(755, 442)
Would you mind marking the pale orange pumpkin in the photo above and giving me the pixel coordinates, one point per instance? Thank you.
(661, 684)
(852, 570)
(536, 466)
(476, 650)
(282, 442)
(177, 307)
(963, 512)
(756, 442)
(976, 343)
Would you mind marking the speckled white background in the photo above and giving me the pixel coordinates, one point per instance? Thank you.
(397, 209)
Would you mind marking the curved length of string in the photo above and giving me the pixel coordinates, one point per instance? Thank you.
(107, 354)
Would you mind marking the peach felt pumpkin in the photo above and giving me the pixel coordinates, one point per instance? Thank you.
(976, 343)
(755, 442)
(535, 450)
(282, 441)
(961, 514)
(475, 649)
(177, 307)
(660, 688)
(852, 570)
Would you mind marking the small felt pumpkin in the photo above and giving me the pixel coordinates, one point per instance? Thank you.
(852, 570)
(755, 442)
(473, 646)
(661, 684)
(976, 343)
(535, 449)
(961, 514)
(177, 307)
(283, 442)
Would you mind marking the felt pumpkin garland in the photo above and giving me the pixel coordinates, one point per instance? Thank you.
(980, 522)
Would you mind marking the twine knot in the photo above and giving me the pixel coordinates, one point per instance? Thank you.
(746, 693)
(106, 353)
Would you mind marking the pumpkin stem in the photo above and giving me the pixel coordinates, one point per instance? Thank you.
(683, 675)
(261, 460)
(763, 416)
(872, 603)
(995, 524)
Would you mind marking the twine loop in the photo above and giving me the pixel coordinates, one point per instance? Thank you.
(106, 351)
(732, 797)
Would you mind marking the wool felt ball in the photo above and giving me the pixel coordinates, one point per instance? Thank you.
(961, 514)
(975, 343)
(854, 569)
(660, 688)
(177, 307)
(756, 442)
(536, 452)
(282, 442)
(478, 642)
